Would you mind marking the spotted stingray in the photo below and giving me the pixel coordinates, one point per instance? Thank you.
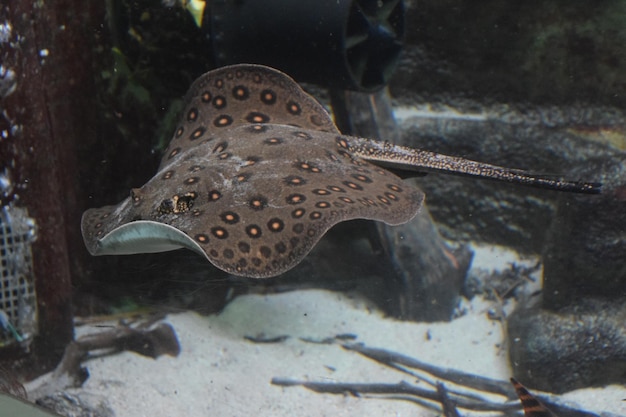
(257, 172)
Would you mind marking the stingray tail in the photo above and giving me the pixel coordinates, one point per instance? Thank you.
(405, 160)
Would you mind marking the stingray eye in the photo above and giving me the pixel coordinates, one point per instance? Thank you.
(185, 203)
(167, 206)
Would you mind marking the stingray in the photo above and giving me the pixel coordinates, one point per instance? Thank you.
(257, 172)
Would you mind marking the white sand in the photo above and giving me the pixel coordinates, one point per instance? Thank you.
(218, 373)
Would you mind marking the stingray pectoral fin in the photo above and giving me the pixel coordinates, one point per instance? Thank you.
(143, 236)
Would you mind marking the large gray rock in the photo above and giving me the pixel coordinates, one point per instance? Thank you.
(585, 252)
(546, 140)
(579, 346)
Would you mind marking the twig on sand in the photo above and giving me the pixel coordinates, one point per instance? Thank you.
(440, 398)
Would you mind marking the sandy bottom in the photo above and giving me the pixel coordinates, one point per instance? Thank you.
(219, 373)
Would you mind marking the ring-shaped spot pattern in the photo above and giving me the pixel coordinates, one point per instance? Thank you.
(173, 153)
(295, 199)
(268, 97)
(257, 117)
(230, 217)
(202, 238)
(243, 177)
(275, 225)
(219, 102)
(198, 133)
(352, 185)
(214, 195)
(273, 141)
(294, 180)
(253, 231)
(362, 178)
(219, 232)
(220, 147)
(306, 166)
(302, 135)
(257, 128)
(223, 121)
(294, 108)
(298, 213)
(257, 203)
(241, 92)
(192, 114)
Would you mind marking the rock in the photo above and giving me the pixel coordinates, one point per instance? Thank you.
(579, 346)
(586, 243)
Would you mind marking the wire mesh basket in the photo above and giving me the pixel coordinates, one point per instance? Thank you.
(18, 301)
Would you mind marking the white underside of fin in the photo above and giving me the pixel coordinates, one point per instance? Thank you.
(145, 236)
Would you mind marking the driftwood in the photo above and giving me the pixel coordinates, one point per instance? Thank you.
(401, 390)
(440, 398)
(147, 341)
